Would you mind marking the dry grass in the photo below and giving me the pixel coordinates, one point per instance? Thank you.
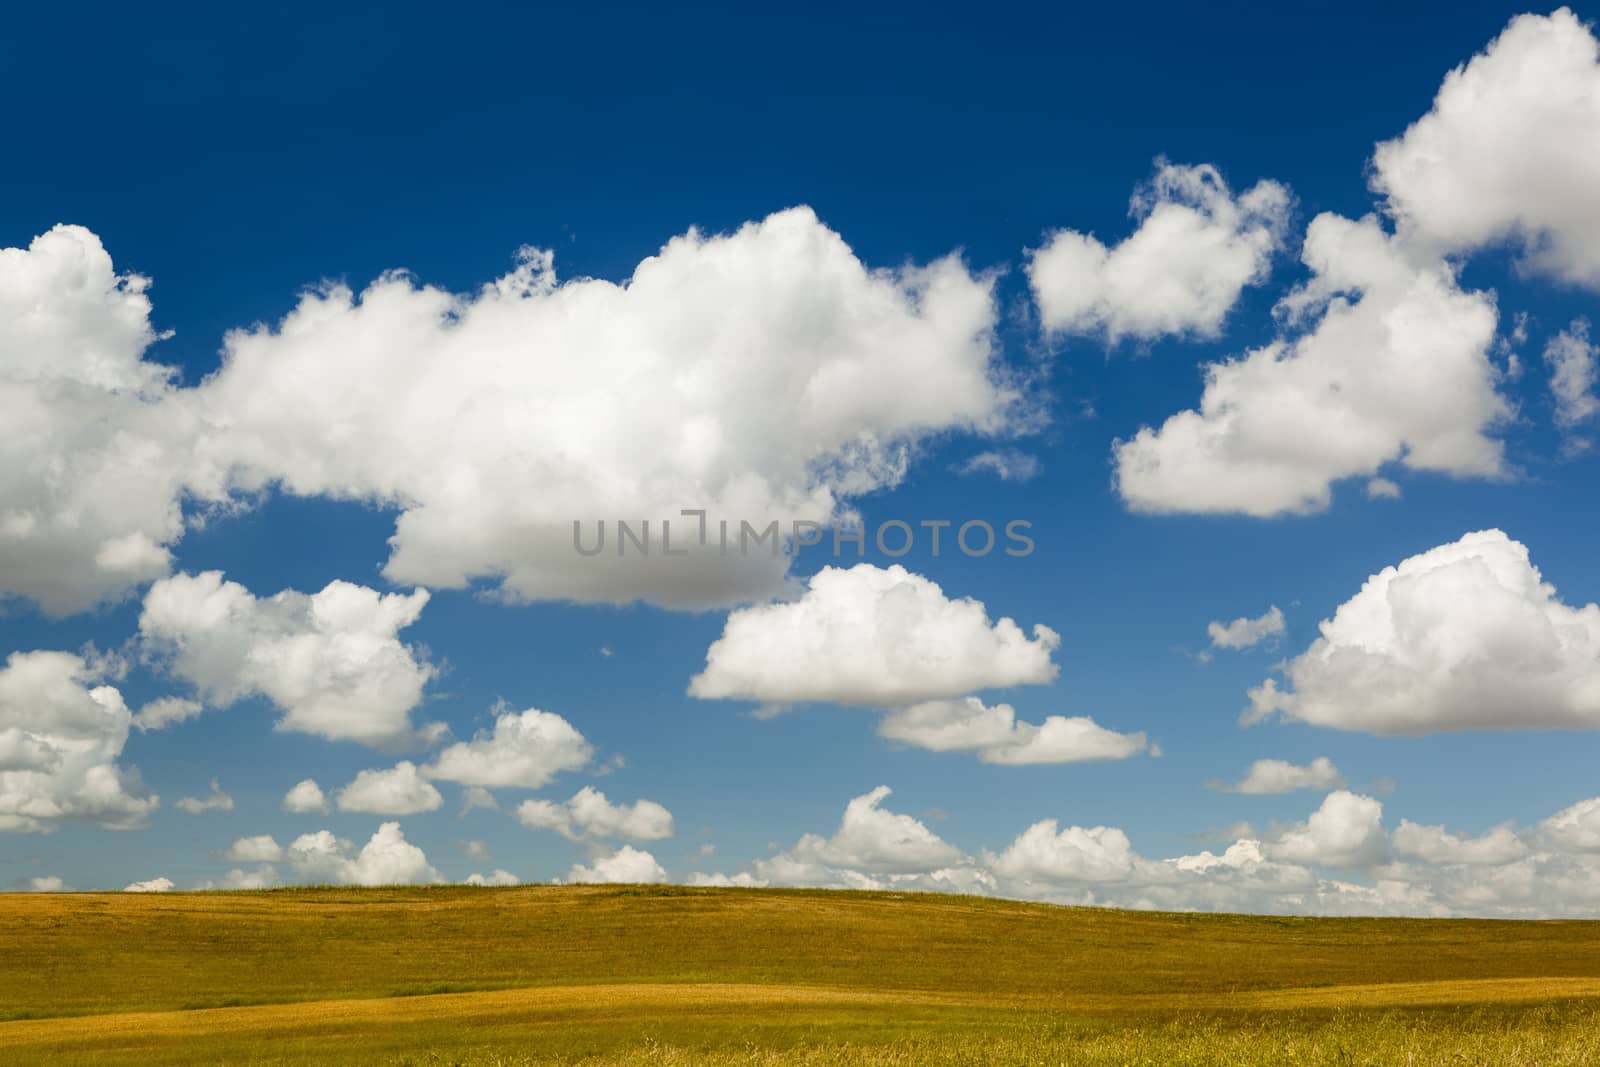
(676, 976)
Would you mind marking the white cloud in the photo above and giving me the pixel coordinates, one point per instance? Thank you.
(525, 750)
(1437, 845)
(153, 885)
(166, 711)
(331, 661)
(475, 850)
(400, 790)
(48, 883)
(60, 737)
(497, 877)
(626, 865)
(263, 848)
(1047, 855)
(1383, 489)
(386, 859)
(1180, 272)
(869, 841)
(262, 877)
(1574, 829)
(1245, 632)
(1571, 357)
(1008, 465)
(997, 736)
(217, 800)
(1396, 369)
(96, 451)
(1268, 776)
(1510, 150)
(1346, 831)
(764, 374)
(305, 798)
(871, 636)
(1465, 636)
(590, 815)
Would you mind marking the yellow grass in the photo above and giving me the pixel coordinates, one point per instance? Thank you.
(640, 975)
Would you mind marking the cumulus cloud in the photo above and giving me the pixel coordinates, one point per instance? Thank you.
(524, 750)
(626, 865)
(386, 859)
(400, 790)
(997, 736)
(1280, 776)
(331, 661)
(1509, 151)
(1395, 368)
(1181, 271)
(1571, 357)
(1465, 636)
(305, 798)
(60, 737)
(497, 877)
(1246, 632)
(153, 885)
(870, 841)
(763, 374)
(263, 848)
(1437, 845)
(871, 636)
(1346, 831)
(97, 453)
(216, 800)
(588, 814)
(262, 877)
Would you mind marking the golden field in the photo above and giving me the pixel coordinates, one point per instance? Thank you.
(670, 975)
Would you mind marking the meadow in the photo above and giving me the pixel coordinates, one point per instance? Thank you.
(680, 976)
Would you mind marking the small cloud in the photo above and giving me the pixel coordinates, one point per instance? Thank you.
(217, 801)
(1008, 465)
(1245, 633)
(1382, 489)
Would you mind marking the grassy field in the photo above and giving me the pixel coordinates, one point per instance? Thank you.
(661, 975)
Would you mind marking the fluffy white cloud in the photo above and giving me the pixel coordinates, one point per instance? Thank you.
(331, 661)
(869, 841)
(764, 374)
(262, 877)
(60, 736)
(1396, 369)
(1280, 776)
(1346, 831)
(386, 859)
(1510, 150)
(216, 800)
(400, 790)
(1045, 855)
(166, 711)
(870, 636)
(1246, 632)
(153, 885)
(97, 451)
(627, 865)
(1574, 829)
(1437, 845)
(494, 878)
(263, 848)
(1181, 271)
(1465, 636)
(1572, 357)
(588, 814)
(997, 736)
(524, 751)
(305, 798)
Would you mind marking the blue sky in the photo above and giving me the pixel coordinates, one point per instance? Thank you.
(237, 162)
